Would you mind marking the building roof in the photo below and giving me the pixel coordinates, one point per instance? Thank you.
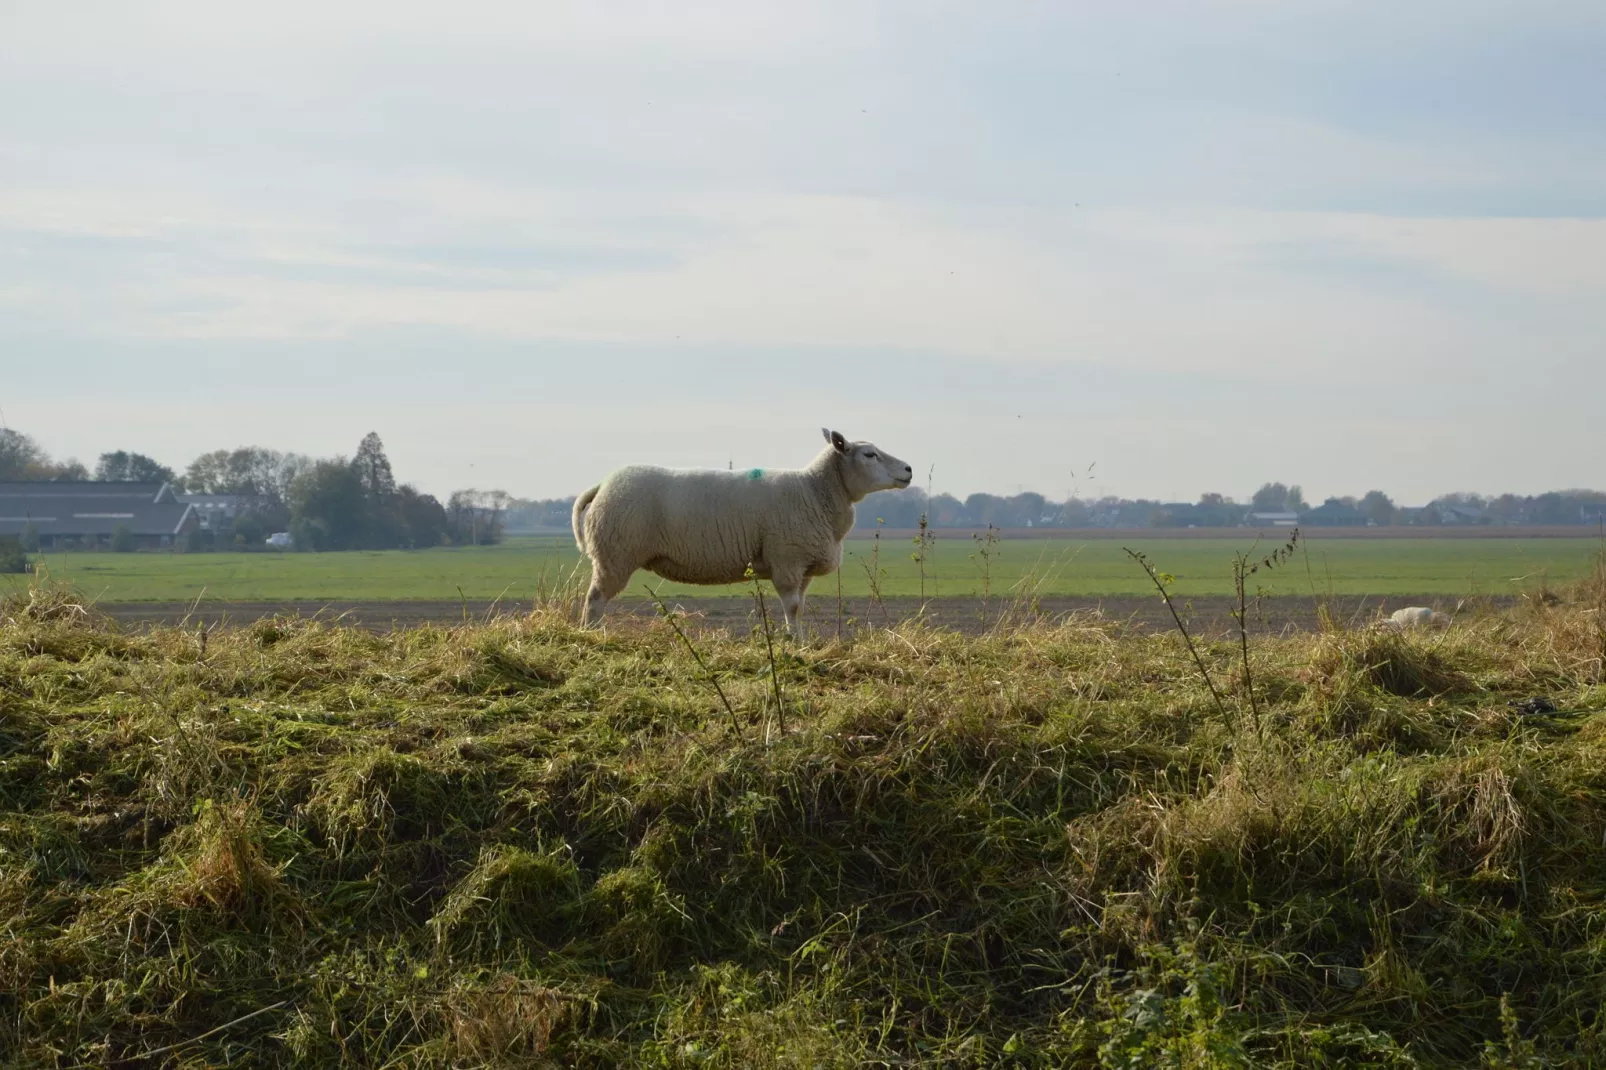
(90, 508)
(1333, 511)
(34, 488)
(1459, 512)
(220, 499)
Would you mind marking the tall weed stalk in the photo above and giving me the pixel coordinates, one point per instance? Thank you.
(1244, 566)
(873, 573)
(923, 541)
(986, 548)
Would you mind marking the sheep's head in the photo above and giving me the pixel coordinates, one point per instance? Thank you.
(866, 468)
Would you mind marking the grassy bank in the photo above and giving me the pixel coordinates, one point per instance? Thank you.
(525, 567)
(515, 843)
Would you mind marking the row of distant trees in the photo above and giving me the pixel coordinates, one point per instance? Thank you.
(335, 503)
(904, 508)
(356, 503)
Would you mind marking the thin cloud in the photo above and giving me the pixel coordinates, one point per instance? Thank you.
(1084, 233)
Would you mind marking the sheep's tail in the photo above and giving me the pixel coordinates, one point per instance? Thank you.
(581, 504)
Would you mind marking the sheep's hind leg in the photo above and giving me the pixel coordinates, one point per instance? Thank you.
(604, 586)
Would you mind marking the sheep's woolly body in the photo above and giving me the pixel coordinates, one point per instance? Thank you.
(709, 527)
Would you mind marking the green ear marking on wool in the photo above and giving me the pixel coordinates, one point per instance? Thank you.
(756, 473)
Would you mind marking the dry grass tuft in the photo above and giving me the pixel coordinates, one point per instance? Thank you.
(46, 601)
(1397, 663)
(511, 896)
(507, 1019)
(221, 865)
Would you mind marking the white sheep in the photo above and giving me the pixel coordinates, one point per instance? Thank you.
(1414, 617)
(708, 527)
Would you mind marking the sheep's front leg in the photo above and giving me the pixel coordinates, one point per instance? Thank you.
(791, 588)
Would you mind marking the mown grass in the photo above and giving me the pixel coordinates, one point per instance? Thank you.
(524, 567)
(517, 843)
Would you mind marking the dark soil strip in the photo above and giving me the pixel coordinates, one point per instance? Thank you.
(1207, 615)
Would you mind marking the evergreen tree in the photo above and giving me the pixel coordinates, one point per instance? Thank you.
(384, 526)
(373, 468)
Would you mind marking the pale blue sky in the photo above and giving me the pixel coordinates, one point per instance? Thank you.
(1195, 245)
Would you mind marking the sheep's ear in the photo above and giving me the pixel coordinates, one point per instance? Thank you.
(836, 440)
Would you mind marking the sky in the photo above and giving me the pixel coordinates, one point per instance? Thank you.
(1148, 249)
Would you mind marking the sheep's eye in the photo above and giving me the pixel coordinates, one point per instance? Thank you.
(869, 455)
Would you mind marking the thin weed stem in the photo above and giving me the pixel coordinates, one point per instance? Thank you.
(708, 674)
(1242, 568)
(1239, 616)
(923, 541)
(873, 573)
(985, 549)
(1160, 584)
(769, 649)
(840, 609)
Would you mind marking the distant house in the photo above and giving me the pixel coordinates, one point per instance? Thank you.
(1460, 514)
(1415, 516)
(280, 540)
(87, 515)
(1333, 514)
(1177, 515)
(216, 512)
(1272, 520)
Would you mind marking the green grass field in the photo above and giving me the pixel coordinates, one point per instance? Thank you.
(519, 568)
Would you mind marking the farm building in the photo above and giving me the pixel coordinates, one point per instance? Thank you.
(1452, 513)
(216, 512)
(1333, 514)
(88, 515)
(1272, 520)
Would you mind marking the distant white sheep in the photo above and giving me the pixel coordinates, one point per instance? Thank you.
(1414, 617)
(708, 527)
